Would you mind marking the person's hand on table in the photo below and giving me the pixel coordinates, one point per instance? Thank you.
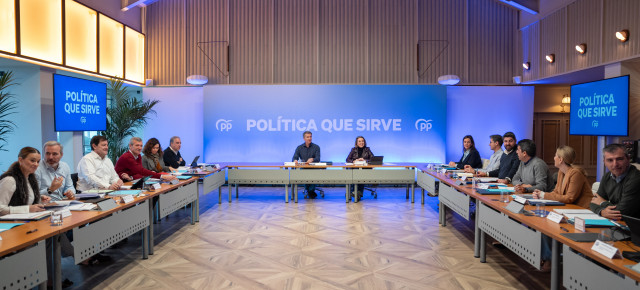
(537, 194)
(452, 164)
(69, 194)
(56, 183)
(173, 169)
(521, 187)
(126, 177)
(503, 181)
(36, 208)
(116, 185)
(45, 199)
(469, 169)
(309, 160)
(167, 177)
(610, 212)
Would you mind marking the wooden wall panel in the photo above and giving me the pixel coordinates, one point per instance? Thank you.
(207, 39)
(251, 41)
(442, 40)
(392, 51)
(166, 43)
(618, 15)
(296, 41)
(491, 46)
(584, 25)
(344, 41)
(553, 41)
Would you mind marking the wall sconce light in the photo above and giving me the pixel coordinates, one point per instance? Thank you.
(526, 65)
(566, 100)
(622, 35)
(581, 48)
(550, 58)
(197, 80)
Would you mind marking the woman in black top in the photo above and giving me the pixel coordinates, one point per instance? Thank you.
(470, 155)
(360, 153)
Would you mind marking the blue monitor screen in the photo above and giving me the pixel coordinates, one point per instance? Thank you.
(80, 105)
(600, 108)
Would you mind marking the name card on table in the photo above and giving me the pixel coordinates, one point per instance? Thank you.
(579, 224)
(174, 182)
(156, 186)
(65, 213)
(519, 199)
(555, 217)
(605, 249)
(515, 207)
(107, 204)
(127, 198)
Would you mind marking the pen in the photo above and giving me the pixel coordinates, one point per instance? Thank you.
(32, 231)
(564, 229)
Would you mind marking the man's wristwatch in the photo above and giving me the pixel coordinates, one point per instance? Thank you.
(49, 191)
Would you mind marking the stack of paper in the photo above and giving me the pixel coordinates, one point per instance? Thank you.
(32, 216)
(83, 206)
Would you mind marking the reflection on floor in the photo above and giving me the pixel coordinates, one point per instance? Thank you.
(261, 242)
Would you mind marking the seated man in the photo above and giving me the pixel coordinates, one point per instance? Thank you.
(495, 143)
(129, 165)
(509, 161)
(619, 191)
(95, 170)
(533, 172)
(54, 176)
(307, 152)
(171, 155)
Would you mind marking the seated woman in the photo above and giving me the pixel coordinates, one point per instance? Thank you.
(470, 157)
(572, 187)
(360, 153)
(19, 191)
(152, 158)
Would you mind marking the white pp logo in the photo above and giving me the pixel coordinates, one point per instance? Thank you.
(423, 125)
(223, 125)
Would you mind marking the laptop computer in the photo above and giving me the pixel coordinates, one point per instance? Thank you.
(194, 163)
(634, 228)
(376, 160)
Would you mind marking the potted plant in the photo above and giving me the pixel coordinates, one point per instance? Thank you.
(125, 114)
(7, 108)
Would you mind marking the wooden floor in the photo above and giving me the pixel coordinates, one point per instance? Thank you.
(260, 242)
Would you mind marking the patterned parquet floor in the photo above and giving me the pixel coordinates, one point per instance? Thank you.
(261, 242)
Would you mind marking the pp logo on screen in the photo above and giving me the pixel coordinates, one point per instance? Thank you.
(83, 119)
(223, 125)
(423, 125)
(594, 124)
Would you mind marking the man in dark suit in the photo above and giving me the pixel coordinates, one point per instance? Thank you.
(172, 157)
(618, 193)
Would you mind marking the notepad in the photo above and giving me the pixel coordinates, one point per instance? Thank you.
(61, 203)
(32, 216)
(183, 177)
(126, 192)
(8, 226)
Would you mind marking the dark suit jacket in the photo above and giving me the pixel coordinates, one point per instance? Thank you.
(171, 159)
(472, 159)
(353, 155)
(509, 164)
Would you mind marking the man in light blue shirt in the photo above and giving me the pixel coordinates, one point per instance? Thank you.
(54, 176)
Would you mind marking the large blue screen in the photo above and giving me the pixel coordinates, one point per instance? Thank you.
(265, 122)
(600, 108)
(80, 105)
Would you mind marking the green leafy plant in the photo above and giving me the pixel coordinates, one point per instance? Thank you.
(8, 104)
(125, 114)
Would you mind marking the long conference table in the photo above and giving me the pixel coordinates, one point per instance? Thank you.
(336, 173)
(23, 248)
(583, 268)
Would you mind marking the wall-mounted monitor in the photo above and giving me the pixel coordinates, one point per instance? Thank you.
(600, 108)
(80, 105)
